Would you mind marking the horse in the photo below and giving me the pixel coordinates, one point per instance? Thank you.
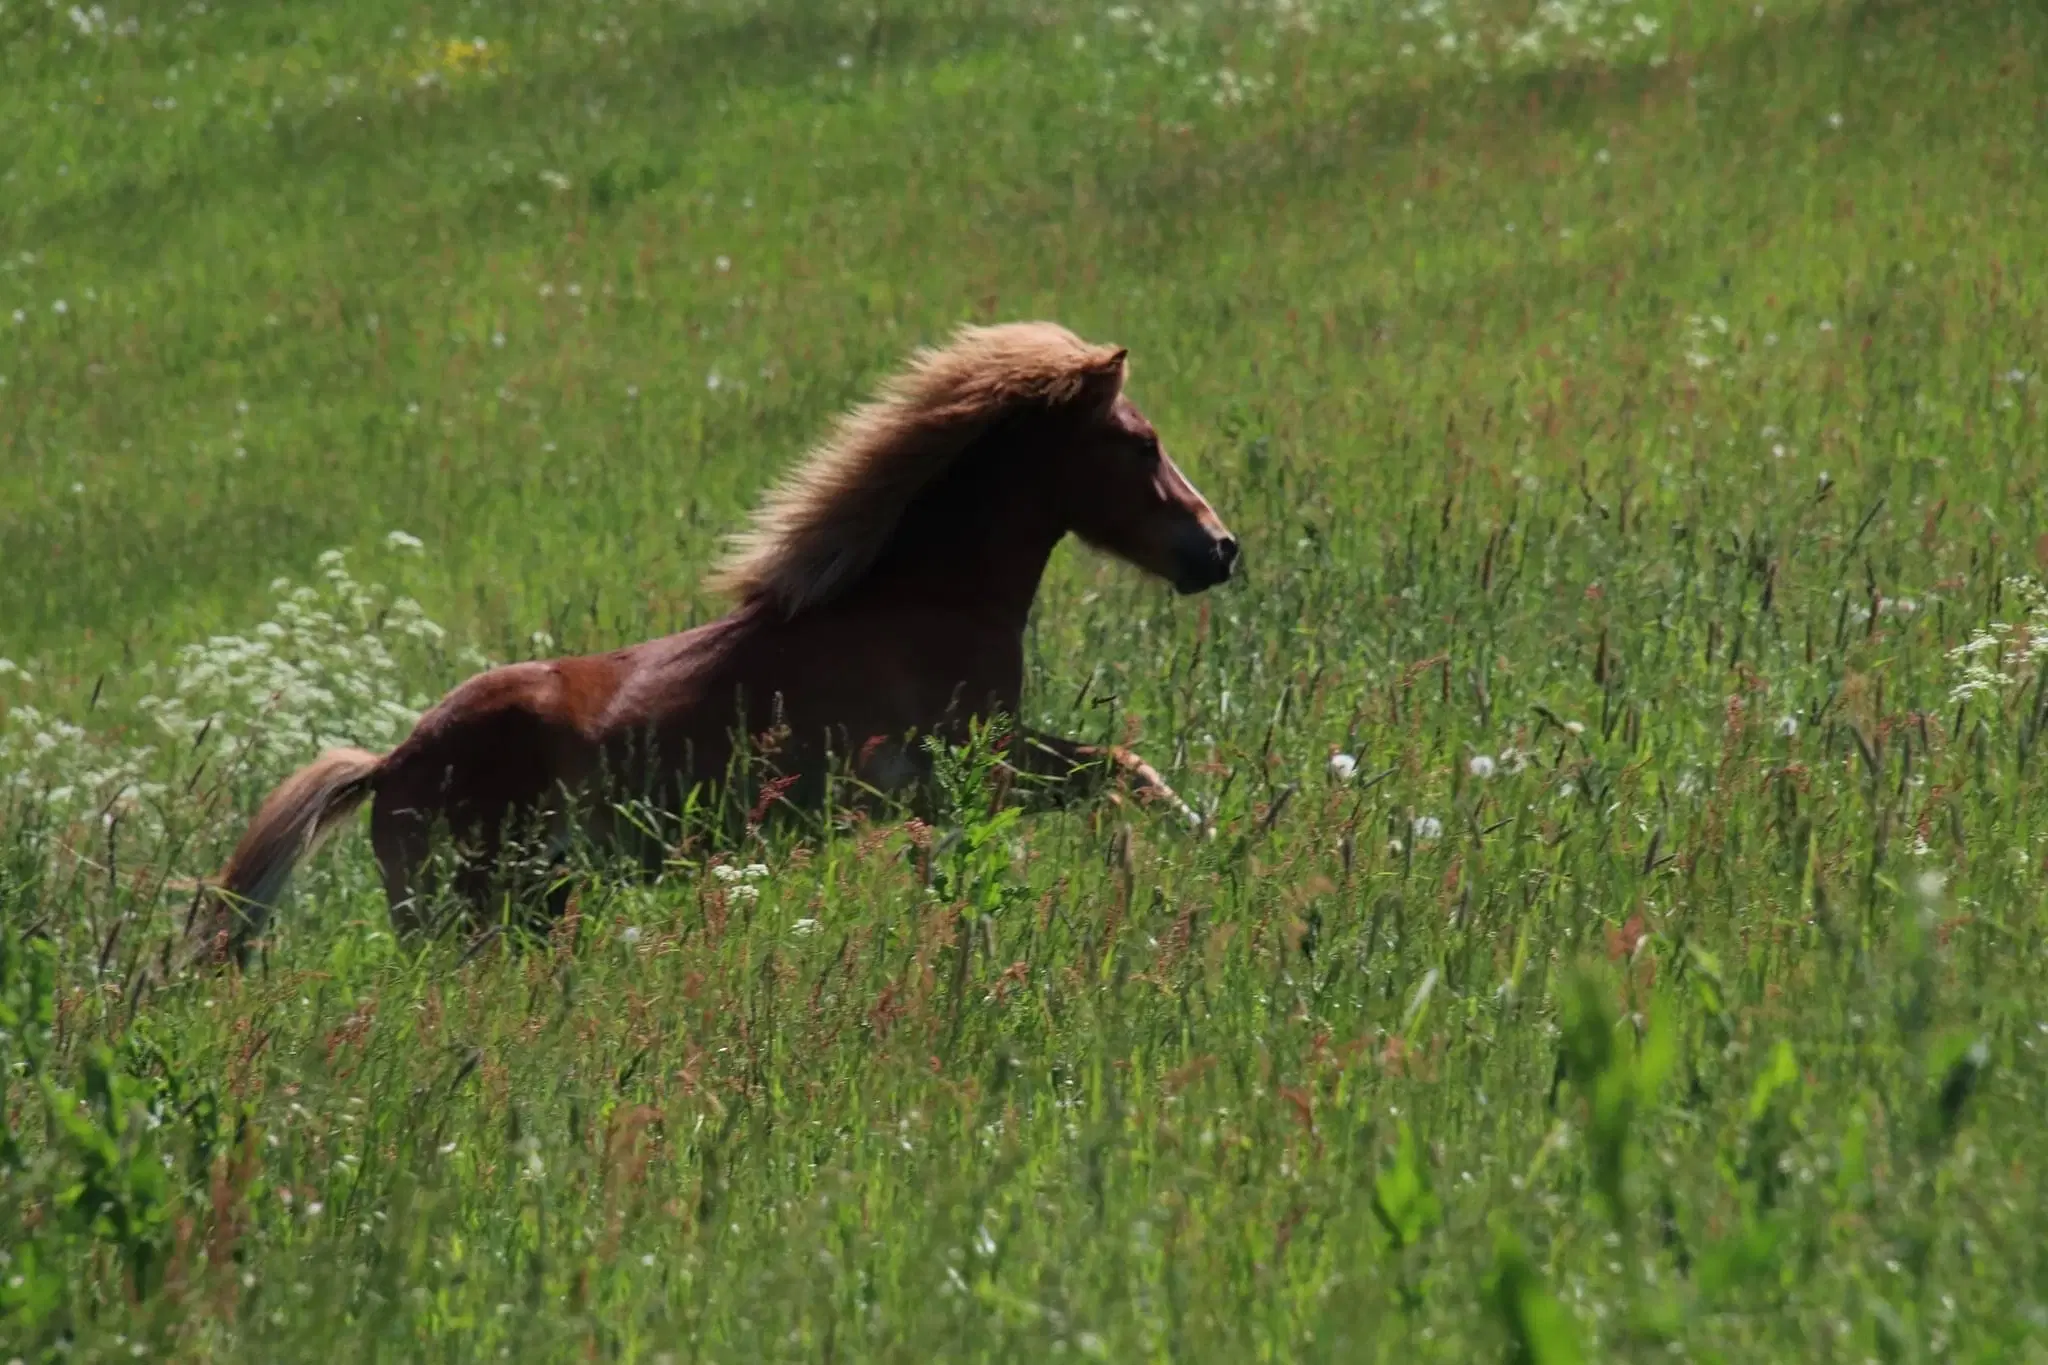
(880, 596)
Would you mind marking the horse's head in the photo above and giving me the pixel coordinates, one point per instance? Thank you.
(1125, 496)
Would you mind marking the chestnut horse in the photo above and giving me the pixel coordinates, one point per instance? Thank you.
(881, 596)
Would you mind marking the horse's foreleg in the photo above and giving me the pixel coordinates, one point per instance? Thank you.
(1057, 770)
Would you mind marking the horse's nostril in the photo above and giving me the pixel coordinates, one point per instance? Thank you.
(1226, 552)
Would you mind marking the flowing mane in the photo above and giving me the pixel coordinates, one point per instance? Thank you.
(819, 529)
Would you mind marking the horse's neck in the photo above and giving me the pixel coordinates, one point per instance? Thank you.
(972, 543)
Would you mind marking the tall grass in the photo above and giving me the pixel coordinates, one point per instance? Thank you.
(1622, 934)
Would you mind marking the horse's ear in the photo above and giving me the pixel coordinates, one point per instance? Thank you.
(1103, 380)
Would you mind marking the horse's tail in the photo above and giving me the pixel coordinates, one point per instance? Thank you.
(293, 820)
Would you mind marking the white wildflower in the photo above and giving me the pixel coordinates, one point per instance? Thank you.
(403, 540)
(323, 670)
(1426, 828)
(1343, 767)
(1992, 660)
(752, 872)
(1480, 766)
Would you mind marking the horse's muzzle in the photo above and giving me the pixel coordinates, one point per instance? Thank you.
(1205, 560)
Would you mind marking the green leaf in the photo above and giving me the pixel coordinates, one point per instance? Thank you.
(1539, 1330)
(1783, 1071)
(1401, 1197)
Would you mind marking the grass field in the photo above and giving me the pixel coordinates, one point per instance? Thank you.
(1623, 936)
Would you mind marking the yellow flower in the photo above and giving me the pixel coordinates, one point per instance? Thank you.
(458, 55)
(445, 60)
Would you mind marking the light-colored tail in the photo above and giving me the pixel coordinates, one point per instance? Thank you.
(303, 810)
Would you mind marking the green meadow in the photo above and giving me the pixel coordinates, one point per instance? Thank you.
(1622, 935)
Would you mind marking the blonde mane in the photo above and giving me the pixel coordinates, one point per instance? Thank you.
(826, 523)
